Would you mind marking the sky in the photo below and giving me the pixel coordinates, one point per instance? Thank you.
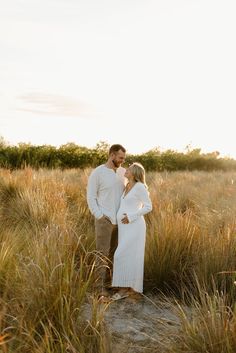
(143, 73)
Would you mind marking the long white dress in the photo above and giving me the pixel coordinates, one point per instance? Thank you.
(128, 267)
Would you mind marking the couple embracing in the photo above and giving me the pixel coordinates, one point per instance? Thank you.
(118, 198)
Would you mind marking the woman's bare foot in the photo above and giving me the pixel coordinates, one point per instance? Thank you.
(123, 290)
(131, 293)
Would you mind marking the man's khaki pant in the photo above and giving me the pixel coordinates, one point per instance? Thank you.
(106, 244)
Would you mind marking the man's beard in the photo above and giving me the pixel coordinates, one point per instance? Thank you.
(115, 163)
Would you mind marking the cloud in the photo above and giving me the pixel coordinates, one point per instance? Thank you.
(54, 105)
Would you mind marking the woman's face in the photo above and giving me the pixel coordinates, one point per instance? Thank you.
(128, 173)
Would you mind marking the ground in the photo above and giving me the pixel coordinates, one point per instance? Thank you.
(136, 325)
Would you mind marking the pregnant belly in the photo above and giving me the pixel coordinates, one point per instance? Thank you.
(140, 220)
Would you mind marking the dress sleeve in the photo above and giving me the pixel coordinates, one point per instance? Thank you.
(92, 192)
(143, 195)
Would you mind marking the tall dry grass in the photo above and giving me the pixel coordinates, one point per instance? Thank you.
(191, 232)
(208, 326)
(46, 264)
(47, 254)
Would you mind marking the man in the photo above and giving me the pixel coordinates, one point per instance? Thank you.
(105, 186)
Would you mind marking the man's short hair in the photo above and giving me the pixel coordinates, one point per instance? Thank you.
(115, 148)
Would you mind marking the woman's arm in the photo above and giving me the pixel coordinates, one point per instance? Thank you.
(143, 195)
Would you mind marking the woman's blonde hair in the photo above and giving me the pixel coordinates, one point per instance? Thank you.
(138, 172)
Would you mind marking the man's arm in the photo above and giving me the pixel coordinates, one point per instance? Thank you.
(92, 192)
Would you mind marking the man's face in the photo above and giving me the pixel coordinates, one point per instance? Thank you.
(118, 158)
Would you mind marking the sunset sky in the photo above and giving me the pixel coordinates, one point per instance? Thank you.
(143, 73)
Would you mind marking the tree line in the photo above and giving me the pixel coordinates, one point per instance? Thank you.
(71, 155)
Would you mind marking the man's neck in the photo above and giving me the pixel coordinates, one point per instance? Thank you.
(110, 165)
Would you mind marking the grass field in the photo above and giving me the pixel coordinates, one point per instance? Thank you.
(47, 260)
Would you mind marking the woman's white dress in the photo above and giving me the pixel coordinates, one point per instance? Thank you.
(128, 267)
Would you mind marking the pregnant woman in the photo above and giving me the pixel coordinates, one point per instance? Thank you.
(128, 266)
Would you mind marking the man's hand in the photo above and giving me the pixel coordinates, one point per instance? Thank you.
(125, 219)
(107, 218)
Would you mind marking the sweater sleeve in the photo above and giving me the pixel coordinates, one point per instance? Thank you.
(92, 192)
(143, 196)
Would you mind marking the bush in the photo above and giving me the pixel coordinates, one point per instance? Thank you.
(71, 155)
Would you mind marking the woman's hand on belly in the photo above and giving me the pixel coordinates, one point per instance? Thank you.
(124, 220)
